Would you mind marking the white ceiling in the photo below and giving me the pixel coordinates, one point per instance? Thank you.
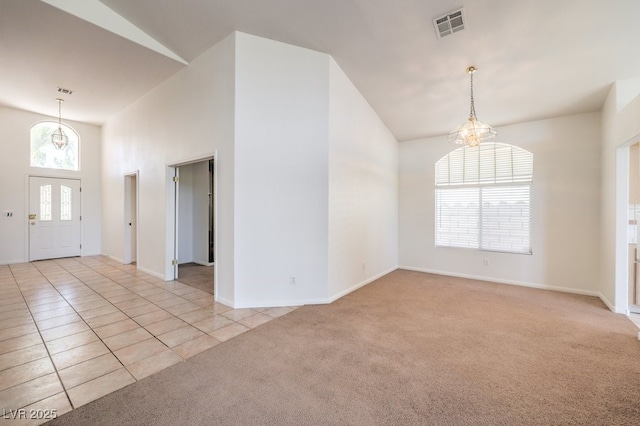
(536, 58)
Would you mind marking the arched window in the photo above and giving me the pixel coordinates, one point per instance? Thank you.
(45, 154)
(483, 198)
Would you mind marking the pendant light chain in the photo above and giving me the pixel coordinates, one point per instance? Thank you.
(472, 109)
(60, 111)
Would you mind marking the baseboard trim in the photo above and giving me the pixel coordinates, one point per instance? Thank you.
(276, 304)
(117, 259)
(152, 273)
(138, 267)
(353, 288)
(313, 301)
(224, 301)
(12, 262)
(612, 308)
(513, 282)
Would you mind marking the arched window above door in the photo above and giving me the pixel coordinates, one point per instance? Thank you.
(45, 155)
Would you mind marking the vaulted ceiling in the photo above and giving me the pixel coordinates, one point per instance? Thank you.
(536, 58)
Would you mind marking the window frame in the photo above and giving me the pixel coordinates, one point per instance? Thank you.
(74, 141)
(515, 175)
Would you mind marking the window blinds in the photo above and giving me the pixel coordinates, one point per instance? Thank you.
(487, 163)
(483, 198)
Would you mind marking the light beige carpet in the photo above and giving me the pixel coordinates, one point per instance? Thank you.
(408, 349)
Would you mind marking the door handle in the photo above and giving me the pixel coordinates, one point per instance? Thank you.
(33, 223)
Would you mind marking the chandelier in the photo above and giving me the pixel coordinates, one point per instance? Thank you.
(58, 138)
(473, 131)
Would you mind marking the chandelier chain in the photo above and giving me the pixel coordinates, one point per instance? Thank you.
(472, 108)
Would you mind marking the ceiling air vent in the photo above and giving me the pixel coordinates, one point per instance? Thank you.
(450, 23)
(65, 91)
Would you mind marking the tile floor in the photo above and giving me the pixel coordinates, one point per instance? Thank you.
(198, 276)
(73, 330)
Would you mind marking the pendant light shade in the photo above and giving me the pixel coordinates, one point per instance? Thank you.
(473, 131)
(58, 138)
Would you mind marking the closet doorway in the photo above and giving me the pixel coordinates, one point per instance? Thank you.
(194, 226)
(130, 218)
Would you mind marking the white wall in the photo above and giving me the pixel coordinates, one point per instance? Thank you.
(15, 169)
(281, 180)
(185, 215)
(188, 116)
(620, 127)
(363, 190)
(268, 109)
(200, 243)
(565, 209)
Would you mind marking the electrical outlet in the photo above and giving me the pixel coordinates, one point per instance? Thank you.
(486, 262)
(7, 213)
(364, 266)
(293, 280)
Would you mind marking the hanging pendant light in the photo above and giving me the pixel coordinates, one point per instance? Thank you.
(58, 138)
(473, 131)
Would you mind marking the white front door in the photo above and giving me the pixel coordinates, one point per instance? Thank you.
(54, 218)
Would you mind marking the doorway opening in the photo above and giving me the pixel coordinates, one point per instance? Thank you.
(194, 207)
(54, 218)
(633, 230)
(130, 218)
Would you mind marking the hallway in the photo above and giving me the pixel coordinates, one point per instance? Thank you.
(75, 329)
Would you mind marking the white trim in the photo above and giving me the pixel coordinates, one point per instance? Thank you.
(138, 267)
(610, 305)
(12, 262)
(621, 247)
(192, 160)
(171, 239)
(509, 282)
(621, 253)
(117, 259)
(223, 300)
(205, 263)
(318, 301)
(277, 304)
(150, 272)
(215, 221)
(359, 285)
